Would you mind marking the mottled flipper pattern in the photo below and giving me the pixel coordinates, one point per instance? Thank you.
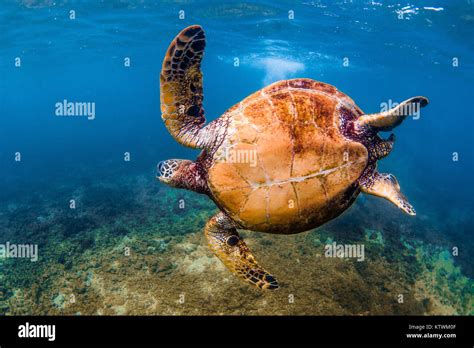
(386, 186)
(181, 87)
(381, 148)
(229, 247)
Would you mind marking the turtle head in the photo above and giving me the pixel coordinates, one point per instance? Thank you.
(183, 174)
(170, 171)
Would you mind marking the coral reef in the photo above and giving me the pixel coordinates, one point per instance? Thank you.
(132, 246)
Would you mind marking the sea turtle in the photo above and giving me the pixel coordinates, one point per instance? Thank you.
(284, 160)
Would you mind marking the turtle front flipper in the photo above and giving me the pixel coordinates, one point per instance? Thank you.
(181, 88)
(387, 120)
(229, 247)
(386, 186)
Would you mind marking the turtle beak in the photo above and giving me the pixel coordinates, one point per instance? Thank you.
(160, 169)
(161, 172)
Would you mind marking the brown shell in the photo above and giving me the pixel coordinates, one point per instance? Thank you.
(284, 166)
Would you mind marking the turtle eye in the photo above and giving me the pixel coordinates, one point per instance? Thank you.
(232, 240)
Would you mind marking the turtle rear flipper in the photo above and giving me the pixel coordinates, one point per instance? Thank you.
(387, 120)
(181, 88)
(386, 186)
(229, 247)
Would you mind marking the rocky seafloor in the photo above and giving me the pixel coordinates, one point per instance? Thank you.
(134, 247)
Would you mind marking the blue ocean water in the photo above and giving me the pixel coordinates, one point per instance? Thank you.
(374, 51)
